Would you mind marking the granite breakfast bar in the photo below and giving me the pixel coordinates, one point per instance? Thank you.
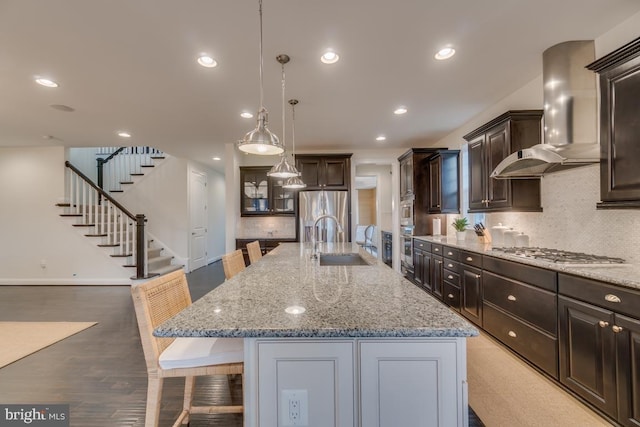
(336, 344)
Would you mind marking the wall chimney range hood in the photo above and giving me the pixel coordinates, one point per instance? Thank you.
(570, 116)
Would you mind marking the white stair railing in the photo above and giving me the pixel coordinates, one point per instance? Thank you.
(118, 227)
(118, 165)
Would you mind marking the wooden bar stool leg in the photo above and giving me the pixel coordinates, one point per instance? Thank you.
(154, 396)
(189, 388)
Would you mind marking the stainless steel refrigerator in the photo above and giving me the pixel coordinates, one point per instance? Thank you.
(316, 203)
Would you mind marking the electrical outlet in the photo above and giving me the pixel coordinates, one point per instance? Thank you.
(294, 408)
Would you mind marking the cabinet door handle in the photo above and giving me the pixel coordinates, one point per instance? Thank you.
(513, 334)
(450, 265)
(449, 277)
(436, 250)
(617, 329)
(450, 296)
(469, 258)
(511, 298)
(612, 298)
(603, 324)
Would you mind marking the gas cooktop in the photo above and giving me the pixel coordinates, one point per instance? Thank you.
(559, 256)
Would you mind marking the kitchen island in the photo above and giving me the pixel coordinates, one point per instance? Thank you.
(346, 344)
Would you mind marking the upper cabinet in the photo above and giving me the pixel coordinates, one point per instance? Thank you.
(444, 182)
(619, 126)
(414, 176)
(262, 195)
(488, 146)
(325, 172)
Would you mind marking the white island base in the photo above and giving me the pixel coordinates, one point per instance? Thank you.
(363, 382)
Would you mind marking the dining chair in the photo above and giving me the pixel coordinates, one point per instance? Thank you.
(233, 263)
(255, 253)
(156, 301)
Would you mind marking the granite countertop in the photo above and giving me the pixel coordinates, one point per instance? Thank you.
(340, 301)
(625, 275)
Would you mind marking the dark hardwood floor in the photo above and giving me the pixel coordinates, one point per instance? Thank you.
(100, 372)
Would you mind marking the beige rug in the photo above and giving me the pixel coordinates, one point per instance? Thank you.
(20, 339)
(505, 391)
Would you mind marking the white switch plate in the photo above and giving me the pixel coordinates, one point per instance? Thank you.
(294, 408)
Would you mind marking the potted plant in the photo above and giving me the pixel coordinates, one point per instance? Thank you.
(460, 224)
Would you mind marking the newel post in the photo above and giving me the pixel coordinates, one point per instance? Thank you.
(140, 247)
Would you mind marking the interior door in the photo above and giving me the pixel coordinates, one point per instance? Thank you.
(198, 220)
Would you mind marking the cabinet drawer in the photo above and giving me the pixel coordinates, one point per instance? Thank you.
(525, 273)
(451, 253)
(421, 244)
(527, 302)
(532, 344)
(471, 258)
(452, 265)
(451, 295)
(451, 276)
(614, 298)
(436, 249)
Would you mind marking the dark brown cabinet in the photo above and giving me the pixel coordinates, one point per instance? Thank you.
(422, 264)
(325, 172)
(488, 146)
(444, 182)
(599, 345)
(471, 286)
(262, 195)
(619, 126)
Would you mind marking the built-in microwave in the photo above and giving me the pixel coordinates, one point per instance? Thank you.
(406, 212)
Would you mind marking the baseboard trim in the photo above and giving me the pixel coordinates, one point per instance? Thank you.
(64, 282)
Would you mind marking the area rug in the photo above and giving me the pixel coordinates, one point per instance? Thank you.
(505, 391)
(20, 339)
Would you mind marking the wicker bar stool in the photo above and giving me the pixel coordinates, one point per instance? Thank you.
(233, 263)
(156, 301)
(255, 253)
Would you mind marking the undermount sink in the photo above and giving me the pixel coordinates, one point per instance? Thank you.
(342, 259)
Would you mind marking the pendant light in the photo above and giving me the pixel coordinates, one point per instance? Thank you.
(283, 169)
(261, 140)
(294, 182)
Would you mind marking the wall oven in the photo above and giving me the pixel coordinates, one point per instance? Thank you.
(406, 213)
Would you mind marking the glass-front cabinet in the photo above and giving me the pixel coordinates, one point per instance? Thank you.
(264, 195)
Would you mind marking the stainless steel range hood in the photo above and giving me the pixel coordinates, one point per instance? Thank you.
(570, 116)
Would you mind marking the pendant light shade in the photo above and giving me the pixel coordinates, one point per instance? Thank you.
(283, 169)
(295, 182)
(261, 140)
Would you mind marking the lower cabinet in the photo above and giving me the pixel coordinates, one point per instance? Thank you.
(471, 293)
(372, 382)
(600, 346)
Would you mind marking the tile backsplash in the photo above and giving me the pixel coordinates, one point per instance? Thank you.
(275, 227)
(570, 220)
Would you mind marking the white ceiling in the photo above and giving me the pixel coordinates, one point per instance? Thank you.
(130, 64)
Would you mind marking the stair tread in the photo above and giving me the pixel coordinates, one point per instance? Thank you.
(116, 191)
(158, 157)
(166, 269)
(71, 215)
(126, 182)
(120, 255)
(136, 174)
(96, 235)
(63, 205)
(83, 225)
(147, 166)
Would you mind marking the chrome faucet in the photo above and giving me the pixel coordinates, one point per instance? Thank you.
(314, 233)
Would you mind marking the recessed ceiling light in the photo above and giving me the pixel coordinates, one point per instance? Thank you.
(381, 138)
(217, 158)
(123, 134)
(445, 53)
(207, 61)
(400, 110)
(329, 57)
(246, 115)
(46, 82)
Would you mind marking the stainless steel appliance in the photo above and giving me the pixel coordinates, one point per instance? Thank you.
(559, 256)
(406, 213)
(406, 249)
(316, 203)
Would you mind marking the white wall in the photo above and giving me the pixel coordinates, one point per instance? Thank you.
(570, 220)
(32, 231)
(85, 160)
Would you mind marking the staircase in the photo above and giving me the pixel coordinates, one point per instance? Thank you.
(118, 167)
(118, 231)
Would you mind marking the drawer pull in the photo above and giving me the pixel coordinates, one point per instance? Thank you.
(612, 298)
(449, 253)
(450, 296)
(603, 324)
(511, 298)
(477, 276)
(450, 265)
(436, 250)
(617, 329)
(469, 258)
(449, 277)
(512, 334)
